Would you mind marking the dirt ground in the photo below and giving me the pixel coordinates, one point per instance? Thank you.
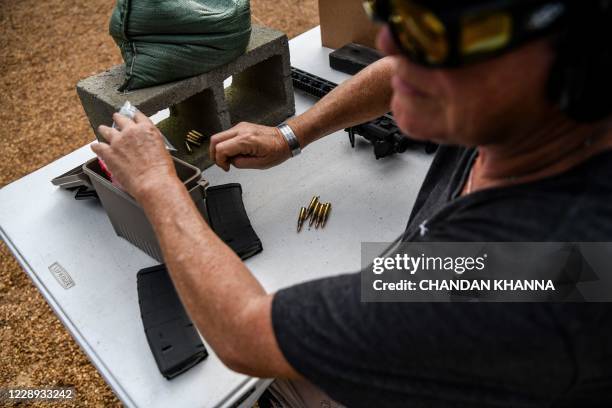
(45, 48)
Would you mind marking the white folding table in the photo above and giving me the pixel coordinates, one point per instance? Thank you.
(43, 225)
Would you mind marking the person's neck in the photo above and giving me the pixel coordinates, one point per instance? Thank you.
(548, 149)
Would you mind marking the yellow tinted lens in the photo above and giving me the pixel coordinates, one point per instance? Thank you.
(370, 8)
(485, 33)
(419, 29)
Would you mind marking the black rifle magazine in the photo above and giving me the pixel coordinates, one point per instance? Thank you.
(173, 339)
(228, 218)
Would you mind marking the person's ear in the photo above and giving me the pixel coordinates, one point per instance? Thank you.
(579, 81)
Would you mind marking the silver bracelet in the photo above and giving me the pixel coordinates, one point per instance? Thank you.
(291, 139)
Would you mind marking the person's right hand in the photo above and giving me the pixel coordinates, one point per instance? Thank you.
(251, 146)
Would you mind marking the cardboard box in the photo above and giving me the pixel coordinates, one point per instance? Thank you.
(345, 21)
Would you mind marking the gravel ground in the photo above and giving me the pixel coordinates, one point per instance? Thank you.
(45, 48)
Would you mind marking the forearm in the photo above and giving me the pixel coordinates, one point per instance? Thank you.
(221, 295)
(364, 97)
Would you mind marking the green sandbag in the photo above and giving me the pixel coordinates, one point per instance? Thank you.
(166, 40)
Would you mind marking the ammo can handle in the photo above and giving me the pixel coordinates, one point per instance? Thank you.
(198, 192)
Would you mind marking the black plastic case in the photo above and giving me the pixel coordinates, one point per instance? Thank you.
(352, 58)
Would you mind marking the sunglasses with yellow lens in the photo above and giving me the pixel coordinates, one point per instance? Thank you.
(455, 33)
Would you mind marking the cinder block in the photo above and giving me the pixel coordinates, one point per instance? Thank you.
(261, 92)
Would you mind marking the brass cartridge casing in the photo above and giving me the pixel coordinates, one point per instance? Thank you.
(315, 214)
(312, 206)
(320, 215)
(327, 210)
(301, 218)
(194, 137)
(194, 141)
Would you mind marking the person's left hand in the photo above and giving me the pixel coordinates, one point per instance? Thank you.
(135, 154)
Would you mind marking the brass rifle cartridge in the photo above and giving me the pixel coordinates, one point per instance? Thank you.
(194, 136)
(320, 216)
(188, 147)
(194, 141)
(315, 214)
(326, 212)
(312, 206)
(301, 218)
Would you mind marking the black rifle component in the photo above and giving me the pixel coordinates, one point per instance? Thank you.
(174, 341)
(383, 133)
(311, 84)
(387, 138)
(228, 218)
(352, 58)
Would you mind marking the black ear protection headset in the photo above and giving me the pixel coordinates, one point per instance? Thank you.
(581, 78)
(451, 33)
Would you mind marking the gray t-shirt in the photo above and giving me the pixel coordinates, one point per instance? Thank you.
(464, 354)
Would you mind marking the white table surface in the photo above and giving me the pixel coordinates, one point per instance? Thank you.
(42, 224)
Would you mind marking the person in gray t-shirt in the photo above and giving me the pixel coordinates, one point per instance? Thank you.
(517, 92)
